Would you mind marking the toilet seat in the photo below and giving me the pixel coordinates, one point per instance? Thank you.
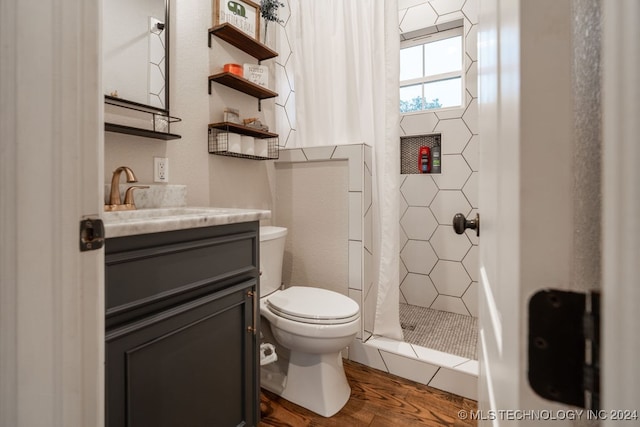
(313, 305)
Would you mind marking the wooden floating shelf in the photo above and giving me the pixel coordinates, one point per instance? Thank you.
(241, 84)
(242, 41)
(243, 130)
(129, 130)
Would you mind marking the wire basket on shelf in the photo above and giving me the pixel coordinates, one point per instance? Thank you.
(234, 140)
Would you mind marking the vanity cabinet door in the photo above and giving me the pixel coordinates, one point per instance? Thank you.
(193, 365)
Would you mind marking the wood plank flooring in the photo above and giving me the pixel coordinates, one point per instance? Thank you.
(377, 399)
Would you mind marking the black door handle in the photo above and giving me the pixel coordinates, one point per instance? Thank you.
(460, 223)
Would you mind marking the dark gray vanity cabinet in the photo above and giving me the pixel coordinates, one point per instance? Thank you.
(181, 316)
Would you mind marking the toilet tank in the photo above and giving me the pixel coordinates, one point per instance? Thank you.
(271, 254)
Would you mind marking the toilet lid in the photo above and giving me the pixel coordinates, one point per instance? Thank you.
(313, 305)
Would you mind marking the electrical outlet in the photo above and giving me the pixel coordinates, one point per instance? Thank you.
(160, 169)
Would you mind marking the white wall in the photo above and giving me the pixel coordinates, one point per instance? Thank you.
(312, 202)
(211, 180)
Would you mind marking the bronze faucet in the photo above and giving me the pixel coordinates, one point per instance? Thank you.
(115, 201)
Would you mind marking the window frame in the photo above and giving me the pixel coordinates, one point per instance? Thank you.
(422, 40)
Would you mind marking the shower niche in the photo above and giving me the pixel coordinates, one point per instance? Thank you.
(420, 154)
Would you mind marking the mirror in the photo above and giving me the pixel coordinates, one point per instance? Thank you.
(136, 51)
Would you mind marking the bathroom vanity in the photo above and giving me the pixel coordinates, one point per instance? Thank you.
(181, 318)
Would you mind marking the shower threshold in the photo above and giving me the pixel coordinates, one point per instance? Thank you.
(445, 356)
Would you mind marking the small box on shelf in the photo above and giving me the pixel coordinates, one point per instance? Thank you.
(258, 74)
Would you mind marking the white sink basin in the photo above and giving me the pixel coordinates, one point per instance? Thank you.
(142, 221)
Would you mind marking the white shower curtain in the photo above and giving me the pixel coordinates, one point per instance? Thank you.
(346, 72)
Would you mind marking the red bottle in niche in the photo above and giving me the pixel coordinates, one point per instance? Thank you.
(424, 159)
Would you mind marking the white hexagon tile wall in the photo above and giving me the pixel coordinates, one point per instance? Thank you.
(285, 86)
(437, 266)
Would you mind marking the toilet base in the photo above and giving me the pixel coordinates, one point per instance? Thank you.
(316, 382)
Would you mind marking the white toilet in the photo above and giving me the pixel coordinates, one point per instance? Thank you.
(313, 324)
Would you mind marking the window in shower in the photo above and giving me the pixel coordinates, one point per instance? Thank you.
(431, 69)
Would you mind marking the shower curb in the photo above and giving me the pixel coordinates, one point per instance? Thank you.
(444, 371)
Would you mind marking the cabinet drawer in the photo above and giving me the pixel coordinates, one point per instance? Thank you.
(148, 273)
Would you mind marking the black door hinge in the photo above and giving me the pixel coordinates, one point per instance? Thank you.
(564, 347)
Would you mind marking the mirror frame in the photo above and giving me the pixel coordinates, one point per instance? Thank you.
(167, 57)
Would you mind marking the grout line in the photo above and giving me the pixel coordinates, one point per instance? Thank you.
(434, 375)
(415, 352)
(462, 363)
(383, 361)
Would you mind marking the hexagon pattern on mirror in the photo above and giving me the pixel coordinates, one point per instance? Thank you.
(157, 78)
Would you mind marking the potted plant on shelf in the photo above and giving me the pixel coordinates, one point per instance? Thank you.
(269, 11)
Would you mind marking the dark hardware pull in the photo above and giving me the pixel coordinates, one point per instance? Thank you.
(460, 223)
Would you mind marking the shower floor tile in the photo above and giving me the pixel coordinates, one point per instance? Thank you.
(440, 330)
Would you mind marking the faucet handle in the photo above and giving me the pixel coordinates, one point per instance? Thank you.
(128, 195)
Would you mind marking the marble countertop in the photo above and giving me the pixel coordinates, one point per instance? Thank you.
(143, 221)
